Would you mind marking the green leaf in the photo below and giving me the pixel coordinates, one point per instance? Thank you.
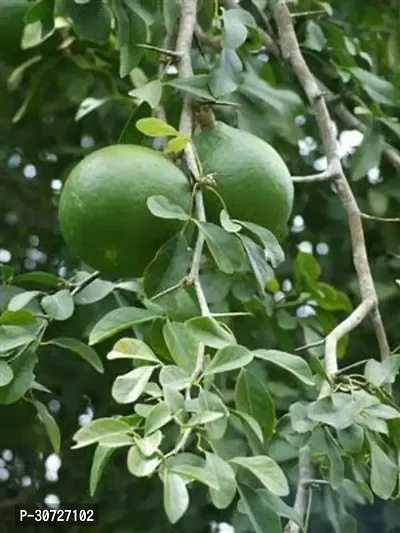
(226, 75)
(22, 317)
(252, 397)
(6, 373)
(382, 373)
(174, 377)
(141, 466)
(224, 495)
(174, 399)
(116, 441)
(197, 85)
(128, 387)
(50, 425)
(94, 292)
(92, 20)
(23, 380)
(279, 506)
(392, 125)
(154, 127)
(99, 429)
(294, 364)
(150, 92)
(235, 31)
(210, 332)
(378, 89)
(258, 262)
(194, 473)
(351, 439)
(382, 411)
(158, 417)
(268, 240)
(205, 417)
(131, 30)
(119, 320)
(227, 359)
(176, 496)
(59, 306)
(181, 344)
(40, 278)
(336, 471)
(224, 247)
(169, 266)
(21, 300)
(307, 268)
(367, 155)
(383, 472)
(262, 517)
(171, 12)
(86, 352)
(162, 207)
(315, 38)
(212, 403)
(177, 144)
(13, 337)
(251, 423)
(128, 348)
(130, 134)
(267, 471)
(338, 410)
(101, 457)
(149, 445)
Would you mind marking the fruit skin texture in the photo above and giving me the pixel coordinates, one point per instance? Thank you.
(103, 211)
(12, 13)
(251, 177)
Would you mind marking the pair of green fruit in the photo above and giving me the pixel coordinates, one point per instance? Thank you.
(103, 211)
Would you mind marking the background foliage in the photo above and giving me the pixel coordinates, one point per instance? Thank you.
(82, 81)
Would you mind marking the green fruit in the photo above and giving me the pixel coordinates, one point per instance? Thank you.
(250, 175)
(12, 14)
(103, 211)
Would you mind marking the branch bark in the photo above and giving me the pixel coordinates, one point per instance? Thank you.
(292, 54)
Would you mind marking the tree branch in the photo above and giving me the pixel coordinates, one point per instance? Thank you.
(291, 52)
(300, 502)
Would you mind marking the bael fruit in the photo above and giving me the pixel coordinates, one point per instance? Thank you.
(103, 211)
(250, 176)
(12, 14)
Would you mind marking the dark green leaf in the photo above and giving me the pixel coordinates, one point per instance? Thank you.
(291, 363)
(262, 517)
(101, 457)
(210, 332)
(252, 397)
(367, 155)
(119, 320)
(50, 426)
(227, 359)
(86, 352)
(23, 379)
(92, 20)
(225, 247)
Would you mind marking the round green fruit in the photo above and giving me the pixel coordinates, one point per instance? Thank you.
(103, 211)
(12, 14)
(250, 176)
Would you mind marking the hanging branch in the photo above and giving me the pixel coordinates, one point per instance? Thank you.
(292, 54)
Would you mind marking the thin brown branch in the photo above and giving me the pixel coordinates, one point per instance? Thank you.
(326, 175)
(292, 54)
(345, 327)
(380, 219)
(300, 502)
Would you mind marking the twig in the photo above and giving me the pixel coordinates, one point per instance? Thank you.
(164, 51)
(300, 502)
(183, 47)
(291, 52)
(87, 281)
(380, 219)
(345, 327)
(310, 345)
(328, 174)
(308, 13)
